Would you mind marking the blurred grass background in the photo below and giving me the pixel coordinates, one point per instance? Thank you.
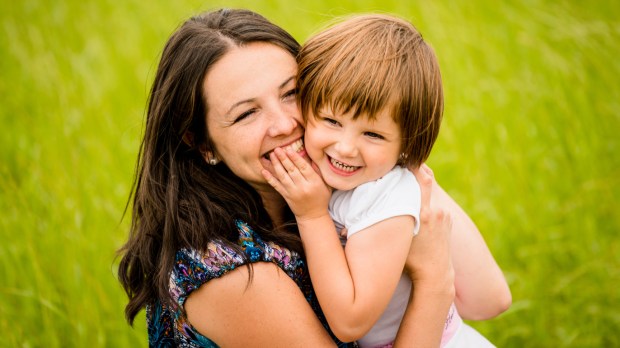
(529, 147)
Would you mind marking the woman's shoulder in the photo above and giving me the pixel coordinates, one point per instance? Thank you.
(166, 330)
(194, 267)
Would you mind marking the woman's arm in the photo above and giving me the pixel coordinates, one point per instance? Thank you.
(267, 311)
(430, 268)
(425, 318)
(481, 289)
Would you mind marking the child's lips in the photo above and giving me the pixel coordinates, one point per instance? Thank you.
(342, 166)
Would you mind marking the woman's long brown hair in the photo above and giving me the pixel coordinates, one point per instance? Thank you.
(180, 201)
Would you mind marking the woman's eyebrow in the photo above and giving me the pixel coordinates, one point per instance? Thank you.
(237, 104)
(282, 85)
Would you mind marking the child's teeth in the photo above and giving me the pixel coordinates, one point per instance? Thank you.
(343, 166)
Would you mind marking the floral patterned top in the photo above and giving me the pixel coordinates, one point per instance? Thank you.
(168, 327)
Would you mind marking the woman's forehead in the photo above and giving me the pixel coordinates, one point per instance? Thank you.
(248, 72)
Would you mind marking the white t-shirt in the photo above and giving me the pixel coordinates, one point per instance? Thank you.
(396, 193)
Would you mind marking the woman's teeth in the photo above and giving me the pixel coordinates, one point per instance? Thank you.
(297, 146)
(342, 166)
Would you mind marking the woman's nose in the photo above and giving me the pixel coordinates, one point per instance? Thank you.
(283, 122)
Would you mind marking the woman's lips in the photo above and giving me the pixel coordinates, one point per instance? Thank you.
(296, 146)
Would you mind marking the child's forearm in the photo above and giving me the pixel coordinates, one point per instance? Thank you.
(330, 275)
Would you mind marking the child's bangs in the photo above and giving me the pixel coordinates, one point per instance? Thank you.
(359, 85)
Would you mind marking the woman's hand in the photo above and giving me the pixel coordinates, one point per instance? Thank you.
(429, 266)
(429, 262)
(481, 291)
(299, 183)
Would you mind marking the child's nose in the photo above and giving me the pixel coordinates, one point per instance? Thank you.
(346, 147)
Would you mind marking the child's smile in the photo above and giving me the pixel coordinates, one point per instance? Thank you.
(350, 152)
(343, 167)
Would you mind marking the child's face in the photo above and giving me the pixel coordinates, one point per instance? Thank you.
(352, 152)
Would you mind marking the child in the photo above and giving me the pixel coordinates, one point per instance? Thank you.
(371, 95)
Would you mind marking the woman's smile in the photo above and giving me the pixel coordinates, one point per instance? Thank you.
(296, 146)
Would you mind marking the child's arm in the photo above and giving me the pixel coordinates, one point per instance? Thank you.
(481, 289)
(354, 290)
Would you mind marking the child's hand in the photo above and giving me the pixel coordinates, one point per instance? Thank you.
(297, 181)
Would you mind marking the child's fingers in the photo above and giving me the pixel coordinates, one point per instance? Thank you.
(280, 172)
(284, 159)
(299, 162)
(305, 168)
(273, 181)
(316, 169)
(292, 168)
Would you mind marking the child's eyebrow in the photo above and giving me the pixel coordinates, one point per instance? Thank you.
(287, 81)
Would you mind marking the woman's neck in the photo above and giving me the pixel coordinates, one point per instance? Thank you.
(274, 205)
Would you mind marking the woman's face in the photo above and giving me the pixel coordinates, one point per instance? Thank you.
(252, 109)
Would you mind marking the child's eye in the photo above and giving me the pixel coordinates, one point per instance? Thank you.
(373, 135)
(290, 93)
(331, 121)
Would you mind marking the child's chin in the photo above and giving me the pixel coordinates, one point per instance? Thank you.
(340, 185)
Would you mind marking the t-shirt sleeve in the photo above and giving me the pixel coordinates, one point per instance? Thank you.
(193, 268)
(395, 194)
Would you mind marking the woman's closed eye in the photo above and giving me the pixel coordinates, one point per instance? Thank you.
(244, 115)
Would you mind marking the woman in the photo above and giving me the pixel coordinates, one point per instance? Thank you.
(223, 98)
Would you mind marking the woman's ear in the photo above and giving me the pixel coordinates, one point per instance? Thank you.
(209, 156)
(188, 138)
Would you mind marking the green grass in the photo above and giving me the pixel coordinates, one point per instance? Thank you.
(529, 147)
